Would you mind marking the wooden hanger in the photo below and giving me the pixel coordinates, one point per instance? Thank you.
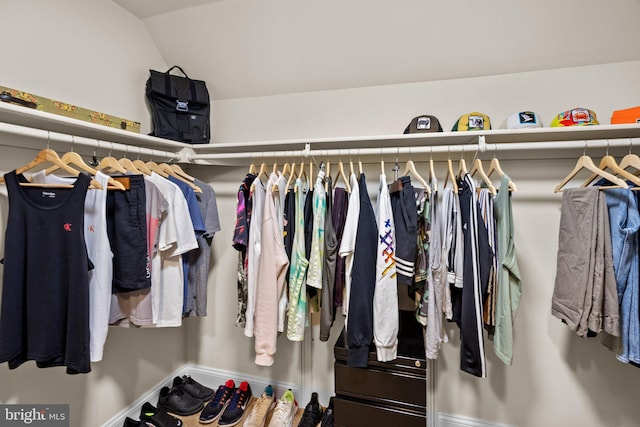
(142, 167)
(48, 155)
(111, 164)
(128, 165)
(263, 171)
(631, 161)
(253, 168)
(344, 177)
(494, 166)
(74, 159)
(292, 175)
(609, 162)
(585, 162)
(411, 168)
(477, 168)
(167, 169)
(177, 169)
(451, 176)
(154, 167)
(432, 178)
(462, 167)
(286, 170)
(302, 174)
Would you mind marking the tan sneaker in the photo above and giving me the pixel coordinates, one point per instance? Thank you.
(286, 409)
(261, 408)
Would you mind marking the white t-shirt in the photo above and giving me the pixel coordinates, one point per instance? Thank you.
(258, 194)
(175, 237)
(348, 245)
(99, 251)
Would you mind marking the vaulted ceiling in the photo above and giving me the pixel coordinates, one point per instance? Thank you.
(245, 48)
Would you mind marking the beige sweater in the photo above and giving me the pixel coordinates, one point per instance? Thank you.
(272, 269)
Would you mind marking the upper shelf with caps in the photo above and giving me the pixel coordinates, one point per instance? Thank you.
(17, 115)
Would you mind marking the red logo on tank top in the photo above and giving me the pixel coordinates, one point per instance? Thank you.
(67, 226)
(92, 228)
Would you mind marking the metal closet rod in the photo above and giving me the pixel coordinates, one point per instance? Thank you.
(466, 148)
(80, 140)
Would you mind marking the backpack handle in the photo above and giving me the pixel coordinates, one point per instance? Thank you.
(179, 68)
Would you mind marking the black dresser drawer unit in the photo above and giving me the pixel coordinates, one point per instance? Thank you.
(384, 393)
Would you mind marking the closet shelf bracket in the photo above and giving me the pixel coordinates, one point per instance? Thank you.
(482, 144)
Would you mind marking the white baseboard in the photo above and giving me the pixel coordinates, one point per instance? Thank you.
(448, 420)
(207, 376)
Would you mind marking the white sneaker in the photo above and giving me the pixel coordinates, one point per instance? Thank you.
(286, 409)
(258, 415)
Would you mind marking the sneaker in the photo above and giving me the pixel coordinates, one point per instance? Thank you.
(286, 409)
(238, 403)
(129, 422)
(261, 408)
(176, 401)
(327, 417)
(312, 412)
(214, 409)
(193, 387)
(151, 416)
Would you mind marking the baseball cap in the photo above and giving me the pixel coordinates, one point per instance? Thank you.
(523, 119)
(628, 115)
(575, 117)
(472, 121)
(424, 123)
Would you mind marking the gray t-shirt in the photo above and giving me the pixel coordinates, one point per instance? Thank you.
(199, 259)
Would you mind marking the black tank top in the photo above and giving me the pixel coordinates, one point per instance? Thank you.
(44, 314)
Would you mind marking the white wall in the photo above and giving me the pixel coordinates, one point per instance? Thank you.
(556, 378)
(90, 53)
(95, 55)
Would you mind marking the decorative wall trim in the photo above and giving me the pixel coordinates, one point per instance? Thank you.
(207, 376)
(448, 420)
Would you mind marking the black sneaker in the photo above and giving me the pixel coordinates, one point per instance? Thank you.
(214, 409)
(193, 387)
(327, 417)
(312, 412)
(129, 422)
(178, 402)
(239, 402)
(157, 417)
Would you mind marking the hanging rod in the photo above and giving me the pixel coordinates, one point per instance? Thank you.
(80, 140)
(481, 146)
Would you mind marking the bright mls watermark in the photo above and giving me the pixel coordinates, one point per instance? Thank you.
(34, 415)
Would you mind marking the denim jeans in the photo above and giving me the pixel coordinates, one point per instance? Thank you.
(625, 221)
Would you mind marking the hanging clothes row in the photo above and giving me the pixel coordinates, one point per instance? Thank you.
(597, 277)
(132, 248)
(335, 252)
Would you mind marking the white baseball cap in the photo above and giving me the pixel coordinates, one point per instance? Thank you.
(524, 119)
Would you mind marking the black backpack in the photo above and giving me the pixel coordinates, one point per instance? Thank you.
(179, 106)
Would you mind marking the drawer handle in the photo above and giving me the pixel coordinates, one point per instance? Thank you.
(418, 364)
